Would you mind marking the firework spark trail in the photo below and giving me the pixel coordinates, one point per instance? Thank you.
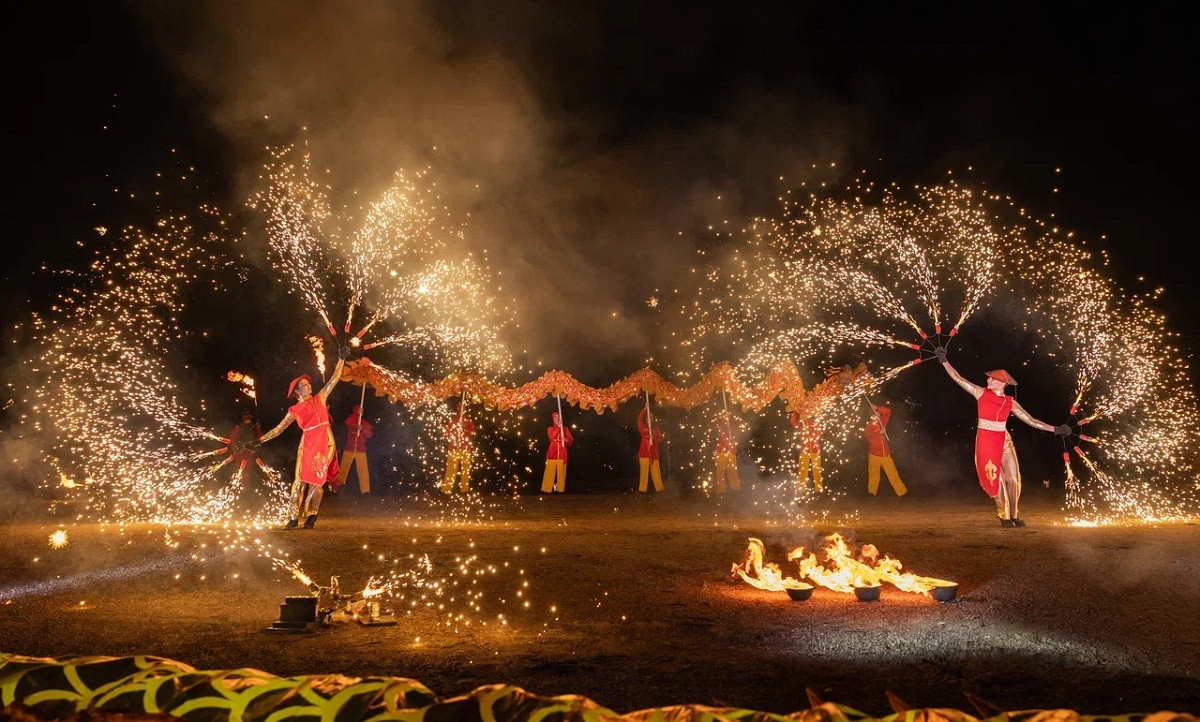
(296, 207)
(832, 278)
(398, 233)
(395, 264)
(453, 588)
(1119, 501)
(967, 241)
(447, 308)
(828, 280)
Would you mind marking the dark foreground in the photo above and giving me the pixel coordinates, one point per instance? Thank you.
(631, 604)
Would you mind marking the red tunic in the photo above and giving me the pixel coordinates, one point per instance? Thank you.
(556, 450)
(647, 450)
(726, 439)
(459, 433)
(318, 452)
(810, 435)
(357, 434)
(876, 440)
(989, 444)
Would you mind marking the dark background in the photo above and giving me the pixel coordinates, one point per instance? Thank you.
(105, 95)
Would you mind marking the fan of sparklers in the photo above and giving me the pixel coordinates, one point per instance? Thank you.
(391, 260)
(406, 299)
(887, 276)
(113, 394)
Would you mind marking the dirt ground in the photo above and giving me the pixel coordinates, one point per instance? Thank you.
(631, 603)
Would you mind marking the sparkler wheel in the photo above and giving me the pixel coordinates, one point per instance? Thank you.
(868, 594)
(799, 594)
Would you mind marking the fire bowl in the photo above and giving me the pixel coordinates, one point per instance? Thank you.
(799, 594)
(868, 594)
(944, 591)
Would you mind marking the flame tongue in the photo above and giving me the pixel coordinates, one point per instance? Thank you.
(319, 351)
(767, 576)
(840, 569)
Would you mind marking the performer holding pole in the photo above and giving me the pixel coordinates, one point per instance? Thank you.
(726, 456)
(648, 465)
(810, 451)
(555, 476)
(354, 453)
(460, 433)
(879, 450)
(995, 456)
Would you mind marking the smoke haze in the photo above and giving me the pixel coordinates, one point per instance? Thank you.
(586, 215)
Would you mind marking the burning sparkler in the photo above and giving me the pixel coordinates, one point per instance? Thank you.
(246, 384)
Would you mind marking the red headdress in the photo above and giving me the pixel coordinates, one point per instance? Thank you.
(1002, 376)
(296, 381)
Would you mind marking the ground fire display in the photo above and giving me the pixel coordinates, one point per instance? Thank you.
(684, 262)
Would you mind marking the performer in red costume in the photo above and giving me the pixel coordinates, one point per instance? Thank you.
(648, 465)
(555, 476)
(727, 452)
(995, 456)
(316, 457)
(879, 452)
(810, 451)
(460, 433)
(354, 453)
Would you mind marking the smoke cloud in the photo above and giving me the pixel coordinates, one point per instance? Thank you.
(559, 133)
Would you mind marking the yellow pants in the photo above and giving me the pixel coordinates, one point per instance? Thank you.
(457, 463)
(874, 464)
(808, 462)
(556, 472)
(358, 458)
(726, 469)
(647, 469)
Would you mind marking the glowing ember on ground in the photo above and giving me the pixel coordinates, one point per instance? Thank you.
(58, 539)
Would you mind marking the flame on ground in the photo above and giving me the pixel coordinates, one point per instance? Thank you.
(839, 568)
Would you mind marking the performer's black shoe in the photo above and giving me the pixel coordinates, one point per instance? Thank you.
(310, 522)
(1017, 522)
(1007, 522)
(291, 524)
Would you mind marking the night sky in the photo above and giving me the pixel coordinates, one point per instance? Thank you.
(596, 132)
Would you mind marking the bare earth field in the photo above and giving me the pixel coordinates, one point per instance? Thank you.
(631, 603)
